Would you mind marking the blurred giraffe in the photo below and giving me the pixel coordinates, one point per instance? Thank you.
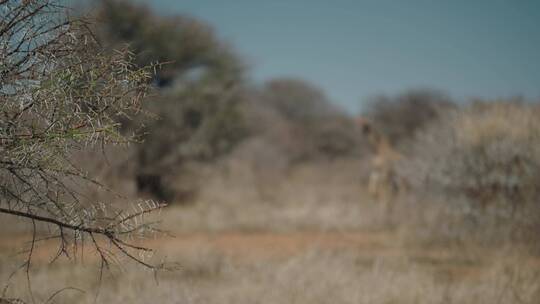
(384, 183)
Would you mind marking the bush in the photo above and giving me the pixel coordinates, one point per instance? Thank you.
(400, 117)
(485, 159)
(310, 126)
(196, 125)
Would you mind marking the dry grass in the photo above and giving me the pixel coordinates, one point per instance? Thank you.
(327, 196)
(319, 255)
(316, 275)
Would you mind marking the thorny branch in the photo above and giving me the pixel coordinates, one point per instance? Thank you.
(60, 92)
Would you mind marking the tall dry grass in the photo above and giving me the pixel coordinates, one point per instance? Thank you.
(316, 276)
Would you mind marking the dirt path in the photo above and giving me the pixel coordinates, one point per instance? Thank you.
(246, 244)
(269, 245)
(367, 246)
(260, 246)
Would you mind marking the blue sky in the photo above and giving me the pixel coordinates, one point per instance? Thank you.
(358, 49)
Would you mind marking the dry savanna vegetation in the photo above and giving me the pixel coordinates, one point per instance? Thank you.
(273, 194)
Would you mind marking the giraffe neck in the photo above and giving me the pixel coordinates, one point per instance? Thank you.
(381, 145)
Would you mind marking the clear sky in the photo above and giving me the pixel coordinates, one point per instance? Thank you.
(355, 49)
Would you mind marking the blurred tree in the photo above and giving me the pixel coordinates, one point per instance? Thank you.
(400, 117)
(205, 107)
(187, 46)
(198, 106)
(316, 127)
(298, 101)
(197, 124)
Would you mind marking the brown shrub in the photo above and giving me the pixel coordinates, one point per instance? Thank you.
(484, 162)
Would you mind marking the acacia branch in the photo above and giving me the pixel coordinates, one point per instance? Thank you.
(58, 223)
(109, 233)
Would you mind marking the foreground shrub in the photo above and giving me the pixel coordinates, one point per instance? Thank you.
(61, 93)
